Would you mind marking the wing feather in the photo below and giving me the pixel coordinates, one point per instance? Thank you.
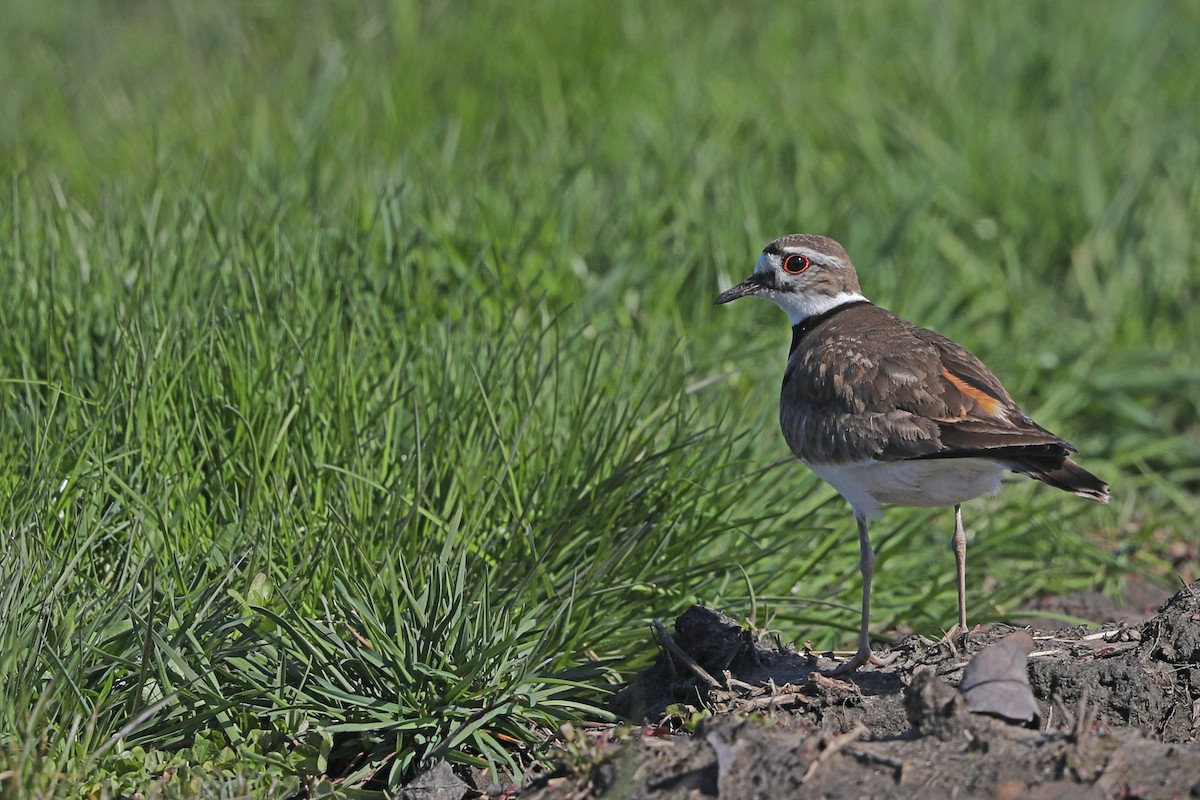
(866, 384)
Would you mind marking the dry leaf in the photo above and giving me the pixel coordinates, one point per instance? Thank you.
(996, 681)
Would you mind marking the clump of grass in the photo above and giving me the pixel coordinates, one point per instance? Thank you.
(278, 516)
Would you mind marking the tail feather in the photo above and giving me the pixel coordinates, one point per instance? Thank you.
(1067, 475)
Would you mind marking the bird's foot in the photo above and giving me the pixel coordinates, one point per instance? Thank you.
(955, 632)
(955, 638)
(863, 656)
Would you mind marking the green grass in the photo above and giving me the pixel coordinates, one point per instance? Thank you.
(363, 398)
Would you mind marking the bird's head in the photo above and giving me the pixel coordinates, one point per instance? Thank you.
(803, 274)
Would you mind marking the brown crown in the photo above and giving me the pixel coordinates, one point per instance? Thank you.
(839, 274)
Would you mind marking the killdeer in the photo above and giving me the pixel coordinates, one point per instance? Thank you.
(887, 412)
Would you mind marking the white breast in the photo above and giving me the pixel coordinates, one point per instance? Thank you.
(930, 482)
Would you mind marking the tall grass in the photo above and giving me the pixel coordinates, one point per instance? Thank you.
(362, 394)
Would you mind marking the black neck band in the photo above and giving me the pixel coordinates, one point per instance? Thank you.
(801, 328)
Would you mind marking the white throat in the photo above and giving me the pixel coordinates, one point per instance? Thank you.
(800, 307)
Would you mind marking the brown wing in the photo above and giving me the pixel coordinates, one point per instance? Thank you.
(980, 417)
(988, 423)
(866, 384)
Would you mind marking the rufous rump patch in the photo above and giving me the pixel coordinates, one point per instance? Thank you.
(984, 401)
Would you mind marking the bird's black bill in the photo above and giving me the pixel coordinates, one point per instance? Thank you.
(752, 285)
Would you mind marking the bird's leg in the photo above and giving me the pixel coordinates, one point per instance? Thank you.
(959, 544)
(866, 565)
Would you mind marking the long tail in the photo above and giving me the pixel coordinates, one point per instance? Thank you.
(1068, 476)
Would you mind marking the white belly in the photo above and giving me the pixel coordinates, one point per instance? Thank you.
(932, 482)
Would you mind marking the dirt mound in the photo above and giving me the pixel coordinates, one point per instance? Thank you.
(1074, 713)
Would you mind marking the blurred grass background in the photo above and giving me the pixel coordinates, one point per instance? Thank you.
(362, 393)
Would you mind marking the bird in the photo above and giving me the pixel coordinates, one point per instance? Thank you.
(890, 413)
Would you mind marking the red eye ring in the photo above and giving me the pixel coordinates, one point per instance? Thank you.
(794, 263)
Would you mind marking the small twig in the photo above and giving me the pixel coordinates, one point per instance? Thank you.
(667, 642)
(1044, 653)
(877, 758)
(778, 700)
(670, 662)
(1084, 718)
(1068, 719)
(827, 683)
(734, 683)
(835, 746)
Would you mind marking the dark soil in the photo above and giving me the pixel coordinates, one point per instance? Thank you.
(1117, 715)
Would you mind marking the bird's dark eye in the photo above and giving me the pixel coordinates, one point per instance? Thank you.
(794, 263)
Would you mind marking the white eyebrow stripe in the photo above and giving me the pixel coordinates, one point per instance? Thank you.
(809, 253)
